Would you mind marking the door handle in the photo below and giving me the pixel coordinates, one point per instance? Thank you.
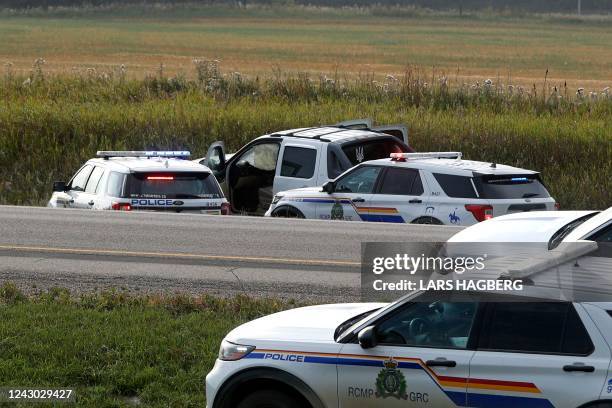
(441, 363)
(415, 201)
(91, 202)
(578, 367)
(358, 200)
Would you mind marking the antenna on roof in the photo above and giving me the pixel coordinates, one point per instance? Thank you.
(493, 165)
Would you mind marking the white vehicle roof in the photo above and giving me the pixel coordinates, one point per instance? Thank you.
(329, 134)
(591, 225)
(142, 164)
(533, 226)
(453, 166)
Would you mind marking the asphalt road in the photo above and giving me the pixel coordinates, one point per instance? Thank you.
(151, 252)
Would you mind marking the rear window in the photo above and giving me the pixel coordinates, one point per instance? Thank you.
(173, 185)
(372, 150)
(509, 186)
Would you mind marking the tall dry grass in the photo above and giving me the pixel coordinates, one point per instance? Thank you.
(49, 125)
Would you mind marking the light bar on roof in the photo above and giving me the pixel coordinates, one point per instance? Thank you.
(426, 155)
(143, 153)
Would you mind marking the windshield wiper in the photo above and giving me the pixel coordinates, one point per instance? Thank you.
(529, 195)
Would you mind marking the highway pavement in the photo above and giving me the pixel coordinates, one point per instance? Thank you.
(86, 250)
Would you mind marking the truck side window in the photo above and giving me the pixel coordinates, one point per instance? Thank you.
(298, 162)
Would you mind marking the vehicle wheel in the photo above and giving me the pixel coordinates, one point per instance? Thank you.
(269, 399)
(287, 212)
(427, 220)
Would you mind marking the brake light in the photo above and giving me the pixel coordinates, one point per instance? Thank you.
(160, 178)
(121, 207)
(480, 212)
(397, 156)
(226, 209)
(557, 206)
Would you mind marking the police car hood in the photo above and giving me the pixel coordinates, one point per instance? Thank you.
(311, 323)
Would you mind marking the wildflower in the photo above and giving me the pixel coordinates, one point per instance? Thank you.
(27, 82)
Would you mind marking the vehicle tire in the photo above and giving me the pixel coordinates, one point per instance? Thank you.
(287, 212)
(269, 399)
(427, 220)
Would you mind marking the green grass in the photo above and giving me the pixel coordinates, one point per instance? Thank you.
(51, 126)
(111, 347)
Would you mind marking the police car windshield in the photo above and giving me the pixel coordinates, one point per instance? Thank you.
(173, 185)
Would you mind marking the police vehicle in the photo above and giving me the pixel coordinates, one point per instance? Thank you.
(295, 158)
(549, 229)
(423, 350)
(141, 180)
(420, 188)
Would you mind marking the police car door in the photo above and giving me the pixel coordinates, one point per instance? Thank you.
(88, 198)
(539, 354)
(399, 196)
(351, 196)
(421, 360)
(76, 186)
(298, 167)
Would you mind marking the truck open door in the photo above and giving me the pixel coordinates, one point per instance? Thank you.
(398, 131)
(355, 124)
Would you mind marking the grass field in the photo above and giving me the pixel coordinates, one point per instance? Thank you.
(53, 118)
(256, 40)
(116, 350)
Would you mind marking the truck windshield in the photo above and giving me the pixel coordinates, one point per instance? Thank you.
(173, 185)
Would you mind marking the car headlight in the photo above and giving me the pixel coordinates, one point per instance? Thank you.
(232, 352)
(276, 199)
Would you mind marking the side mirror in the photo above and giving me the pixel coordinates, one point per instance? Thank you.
(329, 187)
(242, 164)
(59, 186)
(215, 157)
(367, 338)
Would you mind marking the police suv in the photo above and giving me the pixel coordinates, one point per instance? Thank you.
(295, 158)
(420, 188)
(141, 180)
(421, 351)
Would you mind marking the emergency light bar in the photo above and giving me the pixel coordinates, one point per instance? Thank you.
(426, 155)
(143, 153)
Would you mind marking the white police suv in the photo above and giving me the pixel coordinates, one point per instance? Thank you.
(549, 229)
(421, 188)
(423, 350)
(141, 180)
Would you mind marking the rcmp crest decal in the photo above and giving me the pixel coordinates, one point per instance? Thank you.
(337, 212)
(391, 382)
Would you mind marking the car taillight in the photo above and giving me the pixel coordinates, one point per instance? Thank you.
(480, 212)
(557, 206)
(121, 207)
(226, 209)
